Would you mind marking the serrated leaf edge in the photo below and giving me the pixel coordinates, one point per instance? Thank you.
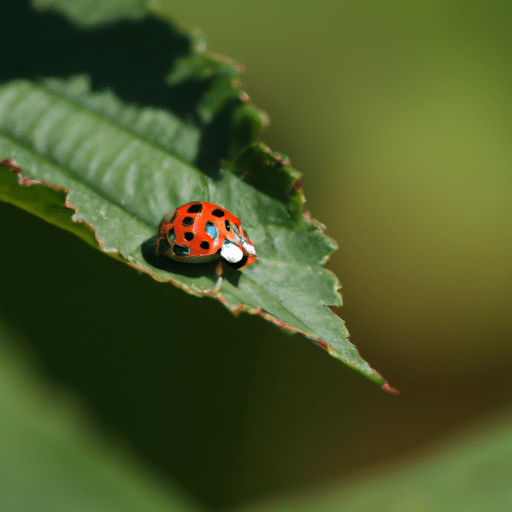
(236, 310)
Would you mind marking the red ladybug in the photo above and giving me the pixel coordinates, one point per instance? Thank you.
(199, 232)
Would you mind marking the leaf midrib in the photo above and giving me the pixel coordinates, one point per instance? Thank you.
(70, 176)
(108, 120)
(104, 119)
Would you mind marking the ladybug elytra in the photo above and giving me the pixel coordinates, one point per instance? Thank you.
(199, 232)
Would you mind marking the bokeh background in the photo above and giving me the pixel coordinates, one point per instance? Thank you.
(399, 116)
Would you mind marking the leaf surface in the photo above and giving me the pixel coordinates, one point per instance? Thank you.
(108, 170)
(49, 458)
(471, 472)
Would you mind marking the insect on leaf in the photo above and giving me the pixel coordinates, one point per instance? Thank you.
(109, 170)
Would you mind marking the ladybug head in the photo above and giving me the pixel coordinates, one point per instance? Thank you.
(239, 253)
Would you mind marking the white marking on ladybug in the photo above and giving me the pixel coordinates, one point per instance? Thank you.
(231, 252)
(249, 248)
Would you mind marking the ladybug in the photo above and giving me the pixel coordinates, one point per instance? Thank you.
(199, 232)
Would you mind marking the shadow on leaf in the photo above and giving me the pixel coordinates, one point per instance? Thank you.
(193, 270)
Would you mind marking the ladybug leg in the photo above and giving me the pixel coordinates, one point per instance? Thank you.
(219, 269)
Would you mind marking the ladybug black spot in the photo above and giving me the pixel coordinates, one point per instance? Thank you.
(171, 235)
(189, 236)
(195, 208)
(204, 245)
(187, 221)
(218, 212)
(228, 225)
(180, 250)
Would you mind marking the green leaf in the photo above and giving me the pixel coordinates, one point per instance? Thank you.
(50, 461)
(98, 165)
(92, 12)
(470, 473)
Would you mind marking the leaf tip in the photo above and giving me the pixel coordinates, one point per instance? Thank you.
(389, 389)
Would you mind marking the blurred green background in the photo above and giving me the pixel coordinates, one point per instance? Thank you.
(399, 116)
